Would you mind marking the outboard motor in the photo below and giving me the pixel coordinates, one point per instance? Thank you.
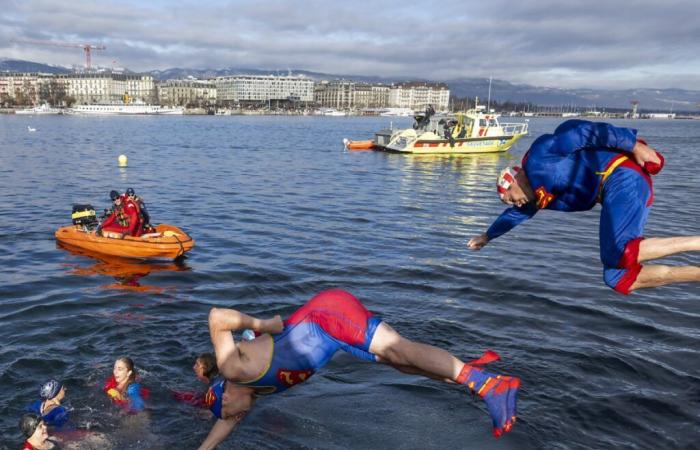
(84, 215)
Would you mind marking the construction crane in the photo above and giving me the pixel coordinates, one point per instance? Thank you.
(87, 48)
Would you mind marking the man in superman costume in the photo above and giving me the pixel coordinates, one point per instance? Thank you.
(287, 353)
(584, 163)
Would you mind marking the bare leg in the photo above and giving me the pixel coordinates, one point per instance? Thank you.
(413, 357)
(412, 370)
(657, 275)
(653, 248)
(499, 392)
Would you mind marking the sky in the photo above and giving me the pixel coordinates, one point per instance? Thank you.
(613, 44)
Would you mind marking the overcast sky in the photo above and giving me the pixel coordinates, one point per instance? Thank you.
(556, 43)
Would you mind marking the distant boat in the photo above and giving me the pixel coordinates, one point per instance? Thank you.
(136, 108)
(396, 112)
(43, 109)
(30, 129)
(329, 112)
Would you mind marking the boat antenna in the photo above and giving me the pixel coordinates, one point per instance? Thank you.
(488, 101)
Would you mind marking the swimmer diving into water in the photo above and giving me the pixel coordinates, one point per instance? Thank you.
(287, 353)
(584, 163)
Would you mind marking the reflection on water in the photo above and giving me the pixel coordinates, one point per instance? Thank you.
(468, 170)
(279, 213)
(127, 273)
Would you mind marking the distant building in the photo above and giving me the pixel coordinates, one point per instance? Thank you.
(252, 89)
(418, 95)
(94, 88)
(344, 94)
(659, 116)
(22, 88)
(186, 92)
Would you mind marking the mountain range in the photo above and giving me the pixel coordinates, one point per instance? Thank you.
(664, 100)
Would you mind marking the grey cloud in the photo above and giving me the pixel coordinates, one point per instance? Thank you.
(539, 41)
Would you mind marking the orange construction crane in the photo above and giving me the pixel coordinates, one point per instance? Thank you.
(88, 48)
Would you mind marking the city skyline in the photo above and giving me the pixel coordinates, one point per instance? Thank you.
(626, 44)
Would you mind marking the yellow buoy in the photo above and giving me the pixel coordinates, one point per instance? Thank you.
(123, 160)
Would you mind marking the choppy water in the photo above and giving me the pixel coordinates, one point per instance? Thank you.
(280, 212)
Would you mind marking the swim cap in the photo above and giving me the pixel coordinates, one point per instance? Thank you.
(130, 191)
(113, 195)
(28, 424)
(506, 179)
(214, 397)
(50, 389)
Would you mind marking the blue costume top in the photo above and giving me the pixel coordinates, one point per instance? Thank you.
(301, 349)
(57, 417)
(564, 169)
(136, 403)
(333, 320)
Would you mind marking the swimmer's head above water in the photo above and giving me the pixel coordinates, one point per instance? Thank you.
(31, 424)
(205, 367)
(51, 389)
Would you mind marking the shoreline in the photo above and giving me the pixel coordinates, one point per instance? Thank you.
(241, 112)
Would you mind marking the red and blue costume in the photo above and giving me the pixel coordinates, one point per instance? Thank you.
(332, 320)
(581, 164)
(335, 320)
(132, 401)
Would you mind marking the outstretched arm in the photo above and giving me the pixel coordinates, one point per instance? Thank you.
(509, 219)
(220, 431)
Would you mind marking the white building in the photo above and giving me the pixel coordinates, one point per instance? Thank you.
(92, 88)
(24, 88)
(186, 92)
(344, 94)
(659, 116)
(418, 95)
(262, 88)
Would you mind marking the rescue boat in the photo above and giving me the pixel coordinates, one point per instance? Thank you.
(167, 241)
(474, 131)
(358, 145)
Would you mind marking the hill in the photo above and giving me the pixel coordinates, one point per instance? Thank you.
(676, 100)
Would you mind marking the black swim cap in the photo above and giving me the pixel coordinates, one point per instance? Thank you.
(28, 424)
(113, 195)
(130, 191)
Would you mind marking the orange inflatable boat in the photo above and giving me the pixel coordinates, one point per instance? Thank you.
(358, 145)
(167, 242)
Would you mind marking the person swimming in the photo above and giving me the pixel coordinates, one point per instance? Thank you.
(123, 389)
(206, 371)
(49, 408)
(35, 433)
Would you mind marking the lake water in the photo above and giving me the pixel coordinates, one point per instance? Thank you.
(280, 212)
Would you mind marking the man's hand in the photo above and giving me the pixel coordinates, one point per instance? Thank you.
(478, 242)
(272, 326)
(644, 154)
